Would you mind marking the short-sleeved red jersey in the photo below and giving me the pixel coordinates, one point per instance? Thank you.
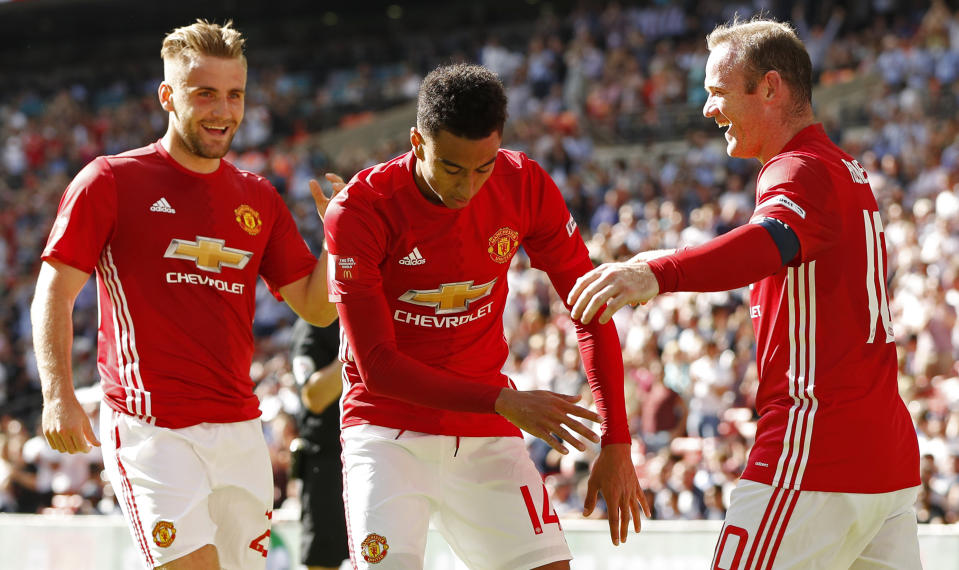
(831, 418)
(177, 255)
(440, 274)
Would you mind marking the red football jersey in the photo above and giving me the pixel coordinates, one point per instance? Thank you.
(831, 418)
(434, 279)
(177, 254)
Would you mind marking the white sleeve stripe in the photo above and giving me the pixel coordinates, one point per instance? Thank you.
(782, 201)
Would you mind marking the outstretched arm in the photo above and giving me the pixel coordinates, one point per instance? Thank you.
(64, 422)
(735, 259)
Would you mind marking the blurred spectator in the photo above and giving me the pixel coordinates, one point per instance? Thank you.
(578, 81)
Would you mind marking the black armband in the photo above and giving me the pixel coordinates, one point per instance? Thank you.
(785, 238)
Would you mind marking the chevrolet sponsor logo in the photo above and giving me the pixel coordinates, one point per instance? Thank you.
(437, 322)
(449, 297)
(209, 254)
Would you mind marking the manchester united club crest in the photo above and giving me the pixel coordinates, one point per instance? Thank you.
(164, 533)
(249, 219)
(503, 244)
(374, 548)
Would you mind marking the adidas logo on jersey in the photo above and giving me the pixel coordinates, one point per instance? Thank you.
(162, 205)
(413, 258)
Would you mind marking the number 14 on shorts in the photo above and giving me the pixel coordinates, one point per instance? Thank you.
(549, 515)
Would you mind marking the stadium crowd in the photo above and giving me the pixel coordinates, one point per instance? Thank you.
(609, 74)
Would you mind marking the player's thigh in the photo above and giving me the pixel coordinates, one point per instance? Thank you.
(161, 486)
(776, 528)
(896, 545)
(386, 489)
(323, 520)
(241, 503)
(495, 510)
(757, 517)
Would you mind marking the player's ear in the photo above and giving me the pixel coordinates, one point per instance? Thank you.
(165, 94)
(771, 84)
(416, 141)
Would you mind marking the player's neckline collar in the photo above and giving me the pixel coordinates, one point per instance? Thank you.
(158, 145)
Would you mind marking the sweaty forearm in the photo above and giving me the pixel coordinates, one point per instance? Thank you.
(318, 298)
(64, 422)
(309, 297)
(52, 318)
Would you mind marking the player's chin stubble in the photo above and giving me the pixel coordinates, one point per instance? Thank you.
(193, 143)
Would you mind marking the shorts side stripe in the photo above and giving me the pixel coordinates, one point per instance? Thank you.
(775, 526)
(762, 527)
(127, 490)
(782, 530)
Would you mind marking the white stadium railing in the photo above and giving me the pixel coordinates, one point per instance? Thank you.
(52, 542)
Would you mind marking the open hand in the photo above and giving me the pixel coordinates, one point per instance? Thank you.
(614, 475)
(547, 415)
(613, 286)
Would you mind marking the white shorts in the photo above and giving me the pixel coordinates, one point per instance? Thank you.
(768, 527)
(181, 489)
(483, 494)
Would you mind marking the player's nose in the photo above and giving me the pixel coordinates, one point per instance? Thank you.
(220, 108)
(709, 108)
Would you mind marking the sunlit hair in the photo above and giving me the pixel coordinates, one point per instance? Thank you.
(465, 100)
(763, 45)
(203, 38)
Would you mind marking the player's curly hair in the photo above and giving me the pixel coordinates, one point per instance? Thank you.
(203, 38)
(466, 100)
(763, 45)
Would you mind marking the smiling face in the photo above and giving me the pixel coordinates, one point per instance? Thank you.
(205, 98)
(729, 104)
(451, 170)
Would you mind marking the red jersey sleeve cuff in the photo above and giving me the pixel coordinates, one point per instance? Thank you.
(54, 255)
(620, 435)
(666, 271)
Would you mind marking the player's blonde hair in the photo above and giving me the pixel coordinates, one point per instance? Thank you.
(203, 38)
(763, 45)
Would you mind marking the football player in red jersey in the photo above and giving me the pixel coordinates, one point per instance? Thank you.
(419, 252)
(833, 474)
(178, 238)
